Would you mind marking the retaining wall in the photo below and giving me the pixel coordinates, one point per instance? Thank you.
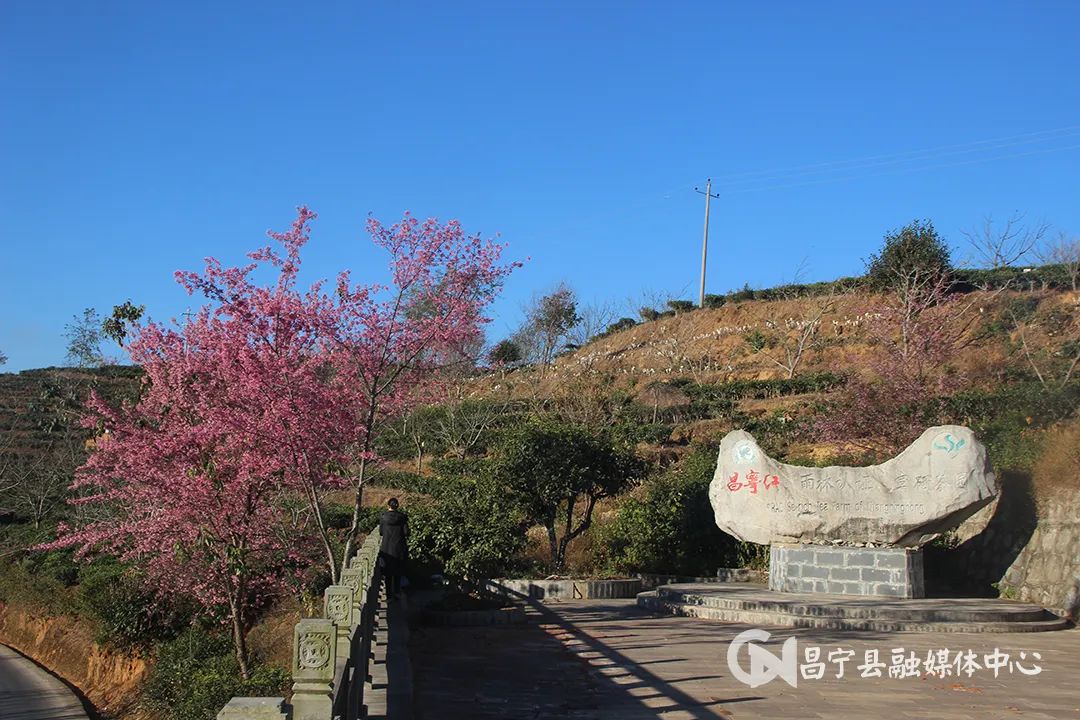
(569, 589)
(1024, 548)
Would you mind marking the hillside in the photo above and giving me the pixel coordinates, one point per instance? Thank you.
(757, 364)
(715, 345)
(39, 406)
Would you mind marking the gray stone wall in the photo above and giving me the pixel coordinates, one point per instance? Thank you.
(883, 572)
(568, 589)
(1024, 548)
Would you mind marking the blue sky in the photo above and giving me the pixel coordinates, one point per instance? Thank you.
(137, 138)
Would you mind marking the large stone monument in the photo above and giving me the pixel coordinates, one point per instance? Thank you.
(852, 530)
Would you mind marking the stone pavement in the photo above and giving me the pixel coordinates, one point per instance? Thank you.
(610, 659)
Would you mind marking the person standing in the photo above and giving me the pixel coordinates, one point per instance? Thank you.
(393, 551)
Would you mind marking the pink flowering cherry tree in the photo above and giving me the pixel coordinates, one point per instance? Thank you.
(263, 401)
(392, 341)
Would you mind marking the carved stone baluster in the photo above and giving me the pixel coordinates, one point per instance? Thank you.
(338, 606)
(314, 657)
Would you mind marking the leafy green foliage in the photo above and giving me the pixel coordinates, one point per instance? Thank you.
(104, 592)
(123, 316)
(128, 614)
(623, 323)
(713, 301)
(471, 526)
(1006, 420)
(914, 248)
(401, 480)
(648, 314)
(671, 528)
(681, 306)
(194, 676)
(506, 352)
(1040, 277)
(719, 399)
(756, 340)
(338, 516)
(558, 472)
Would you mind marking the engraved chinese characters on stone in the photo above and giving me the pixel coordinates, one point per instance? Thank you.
(930, 487)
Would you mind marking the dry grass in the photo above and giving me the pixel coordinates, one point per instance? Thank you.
(271, 638)
(1058, 470)
(710, 346)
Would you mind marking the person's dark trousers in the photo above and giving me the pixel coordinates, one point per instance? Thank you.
(392, 568)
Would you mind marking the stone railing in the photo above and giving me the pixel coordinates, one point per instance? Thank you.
(339, 660)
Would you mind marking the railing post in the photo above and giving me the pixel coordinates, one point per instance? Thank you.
(338, 607)
(353, 577)
(314, 657)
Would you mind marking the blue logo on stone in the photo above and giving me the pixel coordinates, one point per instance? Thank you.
(949, 444)
(744, 452)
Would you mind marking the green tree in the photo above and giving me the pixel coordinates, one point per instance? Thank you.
(558, 472)
(913, 257)
(123, 316)
(506, 353)
(547, 325)
(471, 525)
(84, 340)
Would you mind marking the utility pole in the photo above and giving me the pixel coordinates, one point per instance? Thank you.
(705, 240)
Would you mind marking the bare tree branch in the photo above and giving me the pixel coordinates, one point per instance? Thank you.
(998, 247)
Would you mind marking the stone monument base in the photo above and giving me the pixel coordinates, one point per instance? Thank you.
(883, 572)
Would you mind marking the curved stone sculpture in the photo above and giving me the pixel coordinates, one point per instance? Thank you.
(931, 487)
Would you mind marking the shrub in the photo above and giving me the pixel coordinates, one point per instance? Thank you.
(126, 612)
(400, 479)
(746, 293)
(1006, 420)
(623, 323)
(195, 674)
(914, 250)
(1045, 277)
(720, 400)
(672, 529)
(647, 314)
(714, 301)
(472, 527)
(756, 340)
(506, 352)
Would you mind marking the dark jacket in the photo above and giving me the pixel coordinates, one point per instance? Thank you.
(395, 530)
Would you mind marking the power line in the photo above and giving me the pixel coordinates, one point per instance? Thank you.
(906, 156)
(900, 171)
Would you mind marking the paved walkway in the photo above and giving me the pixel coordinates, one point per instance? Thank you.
(29, 693)
(608, 659)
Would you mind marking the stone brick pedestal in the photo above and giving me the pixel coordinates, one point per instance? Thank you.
(882, 572)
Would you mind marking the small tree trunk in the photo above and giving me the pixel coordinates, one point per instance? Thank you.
(350, 542)
(553, 544)
(239, 635)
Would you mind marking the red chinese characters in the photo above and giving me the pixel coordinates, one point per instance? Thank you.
(751, 481)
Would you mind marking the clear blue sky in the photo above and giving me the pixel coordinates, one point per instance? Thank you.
(138, 137)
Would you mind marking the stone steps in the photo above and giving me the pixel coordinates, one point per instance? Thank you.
(756, 605)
